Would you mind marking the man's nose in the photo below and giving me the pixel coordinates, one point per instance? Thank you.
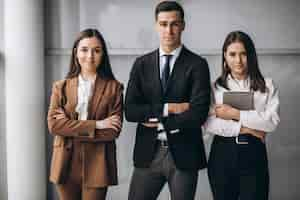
(169, 29)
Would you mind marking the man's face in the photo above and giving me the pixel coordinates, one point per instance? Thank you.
(169, 26)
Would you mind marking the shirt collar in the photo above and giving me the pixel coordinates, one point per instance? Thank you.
(175, 53)
(245, 83)
(230, 77)
(81, 80)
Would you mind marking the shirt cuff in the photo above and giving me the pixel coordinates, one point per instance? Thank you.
(243, 116)
(160, 127)
(166, 110)
(237, 129)
(99, 125)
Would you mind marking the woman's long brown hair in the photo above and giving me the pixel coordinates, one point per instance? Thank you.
(104, 69)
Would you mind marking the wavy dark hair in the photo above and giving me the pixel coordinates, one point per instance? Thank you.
(104, 69)
(257, 81)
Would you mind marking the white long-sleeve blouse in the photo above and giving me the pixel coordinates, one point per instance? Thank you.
(264, 117)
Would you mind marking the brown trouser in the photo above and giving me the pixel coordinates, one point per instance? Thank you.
(74, 189)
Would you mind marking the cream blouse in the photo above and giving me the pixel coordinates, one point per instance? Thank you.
(85, 92)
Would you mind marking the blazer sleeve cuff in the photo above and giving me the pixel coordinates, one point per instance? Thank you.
(90, 133)
(156, 113)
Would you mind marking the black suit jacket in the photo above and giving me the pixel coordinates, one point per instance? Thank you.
(188, 82)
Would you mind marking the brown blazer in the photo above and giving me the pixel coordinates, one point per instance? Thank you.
(100, 165)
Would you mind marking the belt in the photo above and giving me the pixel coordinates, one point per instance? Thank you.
(162, 143)
(243, 139)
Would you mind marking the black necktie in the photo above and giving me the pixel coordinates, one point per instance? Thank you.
(166, 72)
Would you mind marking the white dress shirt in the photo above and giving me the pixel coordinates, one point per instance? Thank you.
(264, 117)
(85, 91)
(162, 60)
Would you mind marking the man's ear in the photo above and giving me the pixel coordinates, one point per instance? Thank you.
(156, 26)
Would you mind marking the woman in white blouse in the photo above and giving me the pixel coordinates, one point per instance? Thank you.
(238, 165)
(85, 116)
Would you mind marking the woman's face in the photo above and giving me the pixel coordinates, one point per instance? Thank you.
(236, 59)
(89, 53)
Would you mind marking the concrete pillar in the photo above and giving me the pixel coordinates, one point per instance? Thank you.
(25, 99)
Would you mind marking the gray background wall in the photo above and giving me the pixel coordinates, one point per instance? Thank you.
(128, 28)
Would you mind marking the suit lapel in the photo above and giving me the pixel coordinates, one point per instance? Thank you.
(98, 93)
(71, 93)
(154, 63)
(178, 68)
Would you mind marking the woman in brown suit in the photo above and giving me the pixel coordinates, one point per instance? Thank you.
(85, 117)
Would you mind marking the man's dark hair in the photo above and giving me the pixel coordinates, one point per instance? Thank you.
(166, 6)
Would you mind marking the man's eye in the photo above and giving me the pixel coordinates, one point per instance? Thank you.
(176, 24)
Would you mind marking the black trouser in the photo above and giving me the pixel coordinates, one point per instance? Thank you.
(238, 171)
(146, 183)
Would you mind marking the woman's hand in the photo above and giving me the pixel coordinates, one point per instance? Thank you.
(227, 112)
(59, 114)
(256, 133)
(112, 122)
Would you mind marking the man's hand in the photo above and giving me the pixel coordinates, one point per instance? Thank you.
(227, 112)
(177, 108)
(173, 108)
(150, 125)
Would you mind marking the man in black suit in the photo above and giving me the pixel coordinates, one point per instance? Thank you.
(168, 94)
